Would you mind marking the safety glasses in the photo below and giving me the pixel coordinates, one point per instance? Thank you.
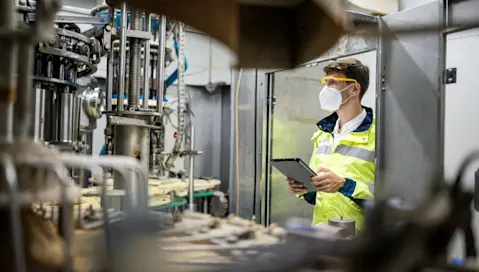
(329, 80)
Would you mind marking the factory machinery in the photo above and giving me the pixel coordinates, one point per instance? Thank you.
(49, 223)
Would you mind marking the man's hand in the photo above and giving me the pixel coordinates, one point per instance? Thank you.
(296, 188)
(327, 181)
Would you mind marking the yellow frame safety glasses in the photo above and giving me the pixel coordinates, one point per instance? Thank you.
(329, 80)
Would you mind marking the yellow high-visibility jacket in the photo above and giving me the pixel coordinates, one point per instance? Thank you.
(352, 158)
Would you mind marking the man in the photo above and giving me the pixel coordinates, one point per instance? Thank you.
(344, 146)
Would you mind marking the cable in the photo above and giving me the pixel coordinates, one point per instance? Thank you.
(240, 75)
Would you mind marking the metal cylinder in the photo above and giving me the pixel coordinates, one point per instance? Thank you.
(134, 64)
(345, 223)
(160, 69)
(40, 114)
(191, 184)
(121, 76)
(146, 64)
(132, 141)
(65, 120)
(76, 118)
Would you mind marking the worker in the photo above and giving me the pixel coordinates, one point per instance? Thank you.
(344, 147)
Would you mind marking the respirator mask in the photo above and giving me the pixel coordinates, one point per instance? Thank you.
(330, 98)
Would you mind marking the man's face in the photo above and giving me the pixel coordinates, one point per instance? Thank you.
(350, 92)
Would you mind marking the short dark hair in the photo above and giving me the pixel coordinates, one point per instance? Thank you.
(352, 68)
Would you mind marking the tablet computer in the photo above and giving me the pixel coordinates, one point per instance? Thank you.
(295, 169)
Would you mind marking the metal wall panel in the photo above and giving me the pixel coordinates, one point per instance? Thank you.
(410, 119)
(245, 170)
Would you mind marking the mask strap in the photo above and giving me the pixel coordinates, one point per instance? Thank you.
(347, 99)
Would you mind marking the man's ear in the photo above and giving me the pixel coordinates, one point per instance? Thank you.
(357, 88)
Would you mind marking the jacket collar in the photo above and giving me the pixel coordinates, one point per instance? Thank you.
(327, 124)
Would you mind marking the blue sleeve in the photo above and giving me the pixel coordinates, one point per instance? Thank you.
(348, 190)
(309, 197)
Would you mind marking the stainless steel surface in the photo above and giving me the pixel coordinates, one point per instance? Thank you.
(8, 55)
(65, 117)
(249, 136)
(130, 141)
(146, 64)
(135, 61)
(409, 153)
(267, 155)
(160, 69)
(23, 106)
(110, 72)
(77, 108)
(344, 223)
(380, 89)
(191, 172)
(122, 79)
(40, 114)
(126, 121)
(138, 34)
(462, 11)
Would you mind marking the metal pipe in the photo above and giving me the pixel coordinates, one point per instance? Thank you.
(40, 113)
(146, 64)
(191, 185)
(65, 117)
(121, 76)
(160, 69)
(7, 70)
(109, 68)
(134, 65)
(23, 105)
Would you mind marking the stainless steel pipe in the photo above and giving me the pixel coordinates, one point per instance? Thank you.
(191, 175)
(160, 69)
(131, 141)
(123, 28)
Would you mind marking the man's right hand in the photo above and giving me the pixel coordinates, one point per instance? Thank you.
(296, 188)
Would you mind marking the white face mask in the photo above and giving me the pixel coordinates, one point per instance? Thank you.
(330, 99)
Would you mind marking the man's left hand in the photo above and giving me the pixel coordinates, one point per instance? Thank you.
(327, 181)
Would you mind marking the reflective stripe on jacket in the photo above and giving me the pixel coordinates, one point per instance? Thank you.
(352, 158)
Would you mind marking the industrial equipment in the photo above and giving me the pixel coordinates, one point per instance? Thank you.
(49, 223)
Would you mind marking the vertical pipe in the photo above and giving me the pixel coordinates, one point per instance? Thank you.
(40, 103)
(7, 70)
(269, 149)
(134, 64)
(380, 88)
(23, 105)
(160, 69)
(121, 76)
(191, 184)
(65, 117)
(109, 68)
(146, 64)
